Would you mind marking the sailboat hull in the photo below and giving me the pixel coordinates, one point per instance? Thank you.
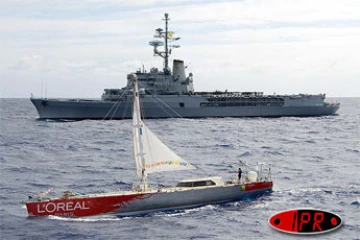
(139, 203)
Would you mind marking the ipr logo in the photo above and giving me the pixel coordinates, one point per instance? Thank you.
(305, 221)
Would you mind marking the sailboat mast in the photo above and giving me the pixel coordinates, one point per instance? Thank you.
(139, 128)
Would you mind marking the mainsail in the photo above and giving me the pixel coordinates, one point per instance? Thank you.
(151, 154)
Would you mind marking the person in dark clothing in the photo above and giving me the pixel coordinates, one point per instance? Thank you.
(239, 175)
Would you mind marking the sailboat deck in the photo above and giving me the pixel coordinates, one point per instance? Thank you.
(183, 185)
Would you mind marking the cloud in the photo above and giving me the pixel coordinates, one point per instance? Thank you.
(28, 63)
(262, 45)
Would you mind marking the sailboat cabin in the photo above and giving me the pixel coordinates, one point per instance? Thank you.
(200, 182)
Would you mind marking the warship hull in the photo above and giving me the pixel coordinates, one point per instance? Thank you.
(174, 106)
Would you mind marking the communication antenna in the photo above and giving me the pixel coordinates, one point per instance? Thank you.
(168, 36)
(156, 43)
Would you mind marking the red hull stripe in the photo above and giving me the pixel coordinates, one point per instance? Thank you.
(80, 207)
(258, 186)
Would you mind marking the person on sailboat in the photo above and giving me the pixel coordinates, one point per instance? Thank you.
(239, 175)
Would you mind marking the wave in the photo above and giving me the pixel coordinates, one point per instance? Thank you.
(225, 145)
(356, 203)
(331, 191)
(315, 165)
(85, 219)
(245, 154)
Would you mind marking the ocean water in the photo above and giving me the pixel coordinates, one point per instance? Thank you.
(315, 164)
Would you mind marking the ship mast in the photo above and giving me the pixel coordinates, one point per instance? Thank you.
(166, 68)
(168, 37)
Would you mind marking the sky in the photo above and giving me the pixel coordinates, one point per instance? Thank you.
(76, 48)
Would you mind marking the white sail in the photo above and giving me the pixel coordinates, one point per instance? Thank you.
(151, 154)
(158, 157)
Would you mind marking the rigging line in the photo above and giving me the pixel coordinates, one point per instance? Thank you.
(126, 108)
(117, 103)
(107, 114)
(117, 106)
(197, 167)
(125, 103)
(166, 105)
(142, 111)
(162, 108)
(145, 126)
(112, 116)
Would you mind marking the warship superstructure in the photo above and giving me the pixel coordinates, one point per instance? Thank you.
(169, 93)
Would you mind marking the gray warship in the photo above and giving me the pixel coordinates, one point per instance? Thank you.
(169, 93)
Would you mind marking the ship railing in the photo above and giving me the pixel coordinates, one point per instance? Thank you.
(263, 171)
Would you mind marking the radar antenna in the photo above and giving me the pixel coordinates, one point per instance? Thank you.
(168, 37)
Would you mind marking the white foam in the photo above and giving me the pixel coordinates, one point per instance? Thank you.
(86, 219)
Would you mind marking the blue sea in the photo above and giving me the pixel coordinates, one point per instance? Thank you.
(315, 164)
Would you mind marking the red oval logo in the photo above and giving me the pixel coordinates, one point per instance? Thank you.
(305, 221)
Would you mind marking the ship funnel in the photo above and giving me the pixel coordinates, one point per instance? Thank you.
(179, 69)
